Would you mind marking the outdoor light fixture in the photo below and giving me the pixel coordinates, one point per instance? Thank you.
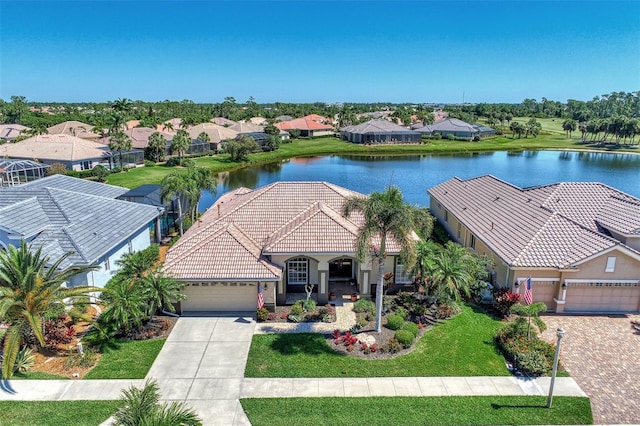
(564, 286)
(560, 334)
(517, 285)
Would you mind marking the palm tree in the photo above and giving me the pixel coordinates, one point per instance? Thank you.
(161, 290)
(385, 214)
(181, 142)
(425, 252)
(452, 273)
(175, 185)
(119, 141)
(157, 144)
(30, 285)
(126, 303)
(569, 125)
(202, 179)
(142, 407)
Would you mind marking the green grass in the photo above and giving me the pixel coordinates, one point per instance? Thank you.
(56, 413)
(462, 346)
(410, 411)
(37, 375)
(126, 360)
(552, 139)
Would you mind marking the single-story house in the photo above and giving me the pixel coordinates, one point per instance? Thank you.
(308, 126)
(281, 237)
(9, 132)
(172, 124)
(379, 131)
(457, 128)
(64, 214)
(74, 128)
(140, 137)
(75, 153)
(259, 137)
(217, 134)
(224, 122)
(579, 242)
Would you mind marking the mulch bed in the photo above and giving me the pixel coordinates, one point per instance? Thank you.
(282, 313)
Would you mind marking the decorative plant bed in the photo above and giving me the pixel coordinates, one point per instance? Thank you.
(324, 313)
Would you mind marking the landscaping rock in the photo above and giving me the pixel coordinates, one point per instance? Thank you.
(366, 338)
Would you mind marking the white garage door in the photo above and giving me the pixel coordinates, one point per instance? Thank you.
(602, 297)
(220, 296)
(544, 290)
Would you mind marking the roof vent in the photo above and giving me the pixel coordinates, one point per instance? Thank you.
(497, 198)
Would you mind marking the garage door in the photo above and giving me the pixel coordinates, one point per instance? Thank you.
(602, 297)
(544, 290)
(220, 296)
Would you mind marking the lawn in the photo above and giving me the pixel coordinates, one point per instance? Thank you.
(37, 375)
(330, 145)
(462, 346)
(452, 410)
(56, 413)
(129, 359)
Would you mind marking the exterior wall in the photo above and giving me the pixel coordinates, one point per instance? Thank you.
(316, 133)
(381, 137)
(626, 268)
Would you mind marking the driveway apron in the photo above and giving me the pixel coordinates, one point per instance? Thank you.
(202, 363)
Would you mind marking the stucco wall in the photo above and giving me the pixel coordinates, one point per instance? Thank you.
(626, 268)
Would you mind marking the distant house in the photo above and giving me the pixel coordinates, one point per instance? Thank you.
(74, 128)
(308, 126)
(170, 125)
(259, 137)
(73, 152)
(9, 132)
(260, 121)
(255, 131)
(64, 214)
(140, 137)
(457, 128)
(379, 131)
(217, 134)
(578, 242)
(224, 122)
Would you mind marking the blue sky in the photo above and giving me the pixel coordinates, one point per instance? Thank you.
(307, 51)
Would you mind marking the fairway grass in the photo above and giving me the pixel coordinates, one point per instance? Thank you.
(56, 413)
(462, 346)
(411, 411)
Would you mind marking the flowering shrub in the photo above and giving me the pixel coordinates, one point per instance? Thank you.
(57, 332)
(336, 334)
(505, 299)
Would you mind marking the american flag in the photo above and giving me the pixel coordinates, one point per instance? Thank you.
(528, 293)
(260, 296)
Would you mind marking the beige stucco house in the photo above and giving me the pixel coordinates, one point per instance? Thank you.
(578, 241)
(281, 237)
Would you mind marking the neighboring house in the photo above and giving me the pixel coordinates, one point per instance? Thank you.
(64, 214)
(224, 122)
(73, 152)
(578, 241)
(170, 125)
(256, 132)
(259, 121)
(283, 118)
(281, 236)
(16, 172)
(217, 134)
(74, 128)
(379, 131)
(140, 138)
(307, 126)
(457, 128)
(131, 124)
(259, 137)
(150, 194)
(9, 132)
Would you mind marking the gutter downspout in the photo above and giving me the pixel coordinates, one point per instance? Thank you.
(171, 314)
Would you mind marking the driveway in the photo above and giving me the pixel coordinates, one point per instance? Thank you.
(601, 353)
(202, 363)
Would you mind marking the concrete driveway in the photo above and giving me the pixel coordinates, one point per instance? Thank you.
(202, 363)
(601, 353)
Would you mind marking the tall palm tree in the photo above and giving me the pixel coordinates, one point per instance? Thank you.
(157, 144)
(385, 214)
(30, 285)
(202, 179)
(181, 142)
(120, 142)
(142, 407)
(176, 185)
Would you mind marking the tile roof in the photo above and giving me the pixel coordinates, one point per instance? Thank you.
(61, 147)
(304, 123)
(11, 131)
(449, 125)
(377, 126)
(216, 133)
(66, 215)
(246, 127)
(74, 128)
(221, 121)
(544, 226)
(140, 136)
(284, 217)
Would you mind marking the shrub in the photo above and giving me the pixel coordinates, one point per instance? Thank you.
(411, 327)
(54, 312)
(57, 169)
(447, 310)
(336, 334)
(24, 361)
(405, 338)
(395, 322)
(533, 363)
(451, 137)
(364, 305)
(56, 332)
(534, 357)
(172, 162)
(361, 322)
(307, 305)
(262, 314)
(87, 359)
(401, 312)
(188, 162)
(149, 163)
(75, 315)
(294, 318)
(324, 314)
(297, 310)
(505, 299)
(100, 172)
(392, 346)
(437, 136)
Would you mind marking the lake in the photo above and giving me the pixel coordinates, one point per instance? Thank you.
(414, 174)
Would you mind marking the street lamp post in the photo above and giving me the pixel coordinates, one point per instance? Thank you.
(560, 333)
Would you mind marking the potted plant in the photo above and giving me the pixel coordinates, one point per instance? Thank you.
(332, 295)
(354, 296)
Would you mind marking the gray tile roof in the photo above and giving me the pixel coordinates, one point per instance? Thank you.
(448, 125)
(376, 126)
(86, 220)
(546, 226)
